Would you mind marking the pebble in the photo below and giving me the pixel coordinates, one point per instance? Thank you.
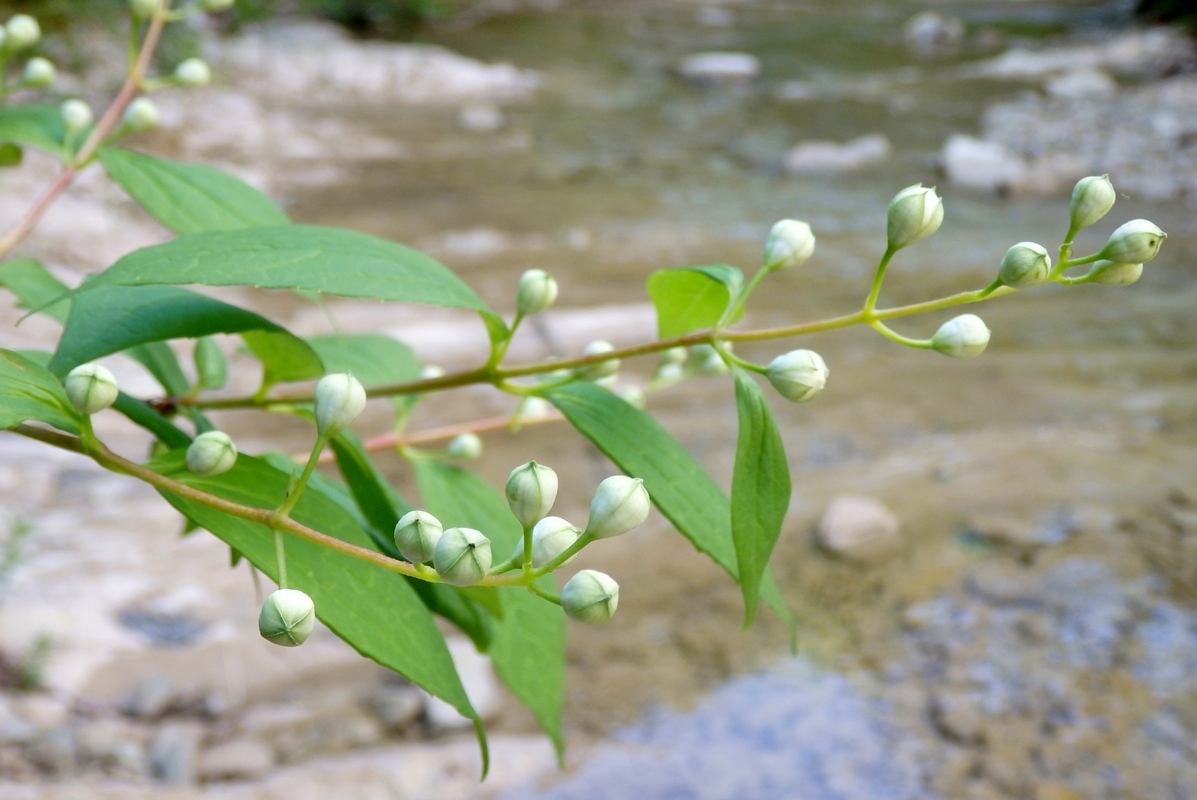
(860, 529)
(822, 157)
(397, 707)
(152, 698)
(930, 33)
(1082, 83)
(174, 752)
(237, 759)
(720, 68)
(481, 686)
(980, 164)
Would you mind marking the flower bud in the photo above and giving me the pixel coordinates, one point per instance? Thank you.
(1026, 264)
(1134, 242)
(211, 453)
(462, 556)
(193, 72)
(707, 360)
(914, 213)
(76, 115)
(430, 371)
(537, 291)
(21, 32)
(551, 537)
(798, 375)
(144, 9)
(1092, 199)
(339, 400)
(535, 408)
(141, 115)
(531, 492)
(620, 504)
(416, 536)
(90, 388)
(590, 597)
(668, 375)
(216, 6)
(964, 336)
(39, 73)
(602, 369)
(790, 244)
(287, 618)
(1112, 273)
(674, 355)
(634, 396)
(465, 446)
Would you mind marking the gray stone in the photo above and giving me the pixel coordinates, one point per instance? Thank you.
(174, 751)
(56, 751)
(930, 33)
(860, 529)
(1082, 83)
(720, 68)
(237, 759)
(117, 745)
(819, 157)
(152, 698)
(480, 117)
(397, 707)
(980, 164)
(1140, 54)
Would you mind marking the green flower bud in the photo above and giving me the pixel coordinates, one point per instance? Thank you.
(531, 492)
(535, 408)
(798, 375)
(707, 360)
(76, 115)
(462, 556)
(790, 244)
(216, 6)
(1112, 273)
(430, 371)
(465, 446)
(603, 369)
(590, 597)
(211, 453)
(1026, 264)
(915, 213)
(634, 396)
(537, 291)
(620, 504)
(90, 388)
(21, 32)
(964, 336)
(674, 355)
(141, 115)
(210, 364)
(551, 537)
(340, 398)
(1134, 242)
(416, 536)
(144, 9)
(668, 375)
(1092, 199)
(39, 73)
(193, 72)
(287, 618)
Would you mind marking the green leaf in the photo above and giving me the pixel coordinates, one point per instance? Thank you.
(496, 329)
(35, 287)
(690, 299)
(11, 155)
(40, 126)
(373, 609)
(760, 495)
(140, 413)
(679, 487)
(319, 259)
(163, 364)
(284, 357)
(190, 198)
(529, 646)
(29, 391)
(373, 359)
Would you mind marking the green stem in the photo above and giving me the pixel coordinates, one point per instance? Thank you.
(528, 550)
(499, 349)
(570, 552)
(731, 358)
(990, 289)
(536, 590)
(280, 558)
(871, 302)
(292, 498)
(741, 300)
(892, 335)
(1076, 262)
(506, 566)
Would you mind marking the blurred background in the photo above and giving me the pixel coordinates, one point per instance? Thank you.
(1002, 604)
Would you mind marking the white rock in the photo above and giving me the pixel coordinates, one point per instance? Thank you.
(1146, 53)
(979, 164)
(819, 157)
(931, 32)
(1082, 83)
(152, 697)
(480, 117)
(859, 528)
(236, 759)
(481, 686)
(724, 68)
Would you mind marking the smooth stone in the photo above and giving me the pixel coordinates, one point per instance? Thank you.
(724, 68)
(237, 759)
(859, 528)
(823, 157)
(981, 164)
(481, 686)
(174, 752)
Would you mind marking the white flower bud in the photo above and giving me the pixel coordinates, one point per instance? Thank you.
(668, 375)
(141, 115)
(287, 618)
(193, 72)
(90, 388)
(707, 360)
(211, 453)
(915, 213)
(551, 537)
(1026, 264)
(430, 371)
(340, 398)
(603, 369)
(462, 556)
(531, 492)
(1113, 273)
(216, 6)
(790, 244)
(22, 32)
(620, 503)
(964, 336)
(798, 375)
(1092, 199)
(674, 355)
(535, 408)
(416, 536)
(144, 9)
(465, 446)
(39, 73)
(590, 597)
(634, 396)
(1134, 242)
(76, 115)
(537, 291)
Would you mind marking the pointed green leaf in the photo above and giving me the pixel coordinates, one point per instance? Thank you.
(29, 391)
(37, 125)
(690, 299)
(373, 359)
(529, 646)
(284, 357)
(190, 198)
(35, 288)
(760, 495)
(331, 260)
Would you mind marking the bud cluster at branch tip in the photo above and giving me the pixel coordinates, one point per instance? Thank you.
(620, 503)
(537, 291)
(964, 336)
(551, 537)
(416, 536)
(531, 491)
(340, 398)
(1026, 264)
(590, 597)
(287, 618)
(915, 213)
(91, 388)
(462, 556)
(798, 375)
(790, 244)
(211, 453)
